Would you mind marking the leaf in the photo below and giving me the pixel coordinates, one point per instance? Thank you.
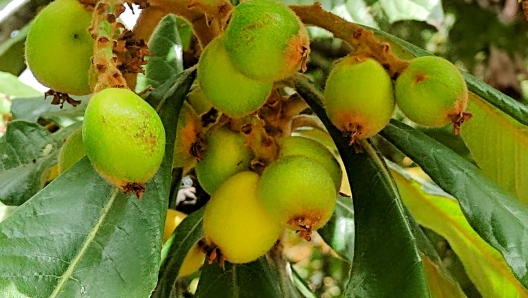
(440, 285)
(10, 85)
(437, 211)
(383, 234)
(12, 51)
(79, 236)
(27, 150)
(255, 279)
(187, 233)
(421, 10)
(32, 109)
(339, 231)
(499, 145)
(301, 285)
(165, 44)
(498, 218)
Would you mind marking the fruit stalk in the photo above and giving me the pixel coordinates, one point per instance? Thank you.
(361, 39)
(103, 29)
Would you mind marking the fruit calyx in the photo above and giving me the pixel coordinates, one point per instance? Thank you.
(457, 120)
(304, 226)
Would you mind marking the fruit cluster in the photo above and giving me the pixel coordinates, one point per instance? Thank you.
(360, 97)
(264, 42)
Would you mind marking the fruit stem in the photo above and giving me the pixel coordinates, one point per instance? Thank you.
(207, 18)
(264, 146)
(360, 38)
(103, 28)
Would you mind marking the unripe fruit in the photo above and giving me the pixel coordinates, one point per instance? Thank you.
(195, 256)
(299, 193)
(59, 47)
(172, 220)
(265, 40)
(359, 97)
(314, 150)
(123, 137)
(225, 155)
(71, 151)
(235, 222)
(225, 86)
(431, 91)
(187, 133)
(199, 101)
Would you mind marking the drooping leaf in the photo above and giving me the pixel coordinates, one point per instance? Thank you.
(166, 46)
(255, 279)
(187, 233)
(499, 145)
(496, 216)
(27, 150)
(383, 233)
(441, 213)
(339, 231)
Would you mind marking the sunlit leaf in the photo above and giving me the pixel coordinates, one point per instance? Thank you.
(497, 217)
(421, 10)
(441, 213)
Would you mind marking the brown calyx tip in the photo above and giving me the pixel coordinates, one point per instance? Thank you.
(59, 98)
(138, 189)
(353, 133)
(458, 119)
(303, 227)
(213, 253)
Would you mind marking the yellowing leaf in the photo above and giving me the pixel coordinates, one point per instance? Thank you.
(499, 145)
(484, 265)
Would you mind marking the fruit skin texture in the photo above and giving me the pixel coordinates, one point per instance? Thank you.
(227, 88)
(314, 150)
(59, 47)
(299, 193)
(359, 97)
(71, 151)
(235, 221)
(225, 155)
(265, 40)
(431, 91)
(123, 137)
(187, 131)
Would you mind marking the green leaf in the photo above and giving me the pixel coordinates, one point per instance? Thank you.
(12, 52)
(166, 46)
(383, 233)
(339, 231)
(10, 85)
(421, 10)
(27, 150)
(498, 218)
(499, 145)
(187, 233)
(32, 109)
(78, 236)
(437, 211)
(255, 280)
